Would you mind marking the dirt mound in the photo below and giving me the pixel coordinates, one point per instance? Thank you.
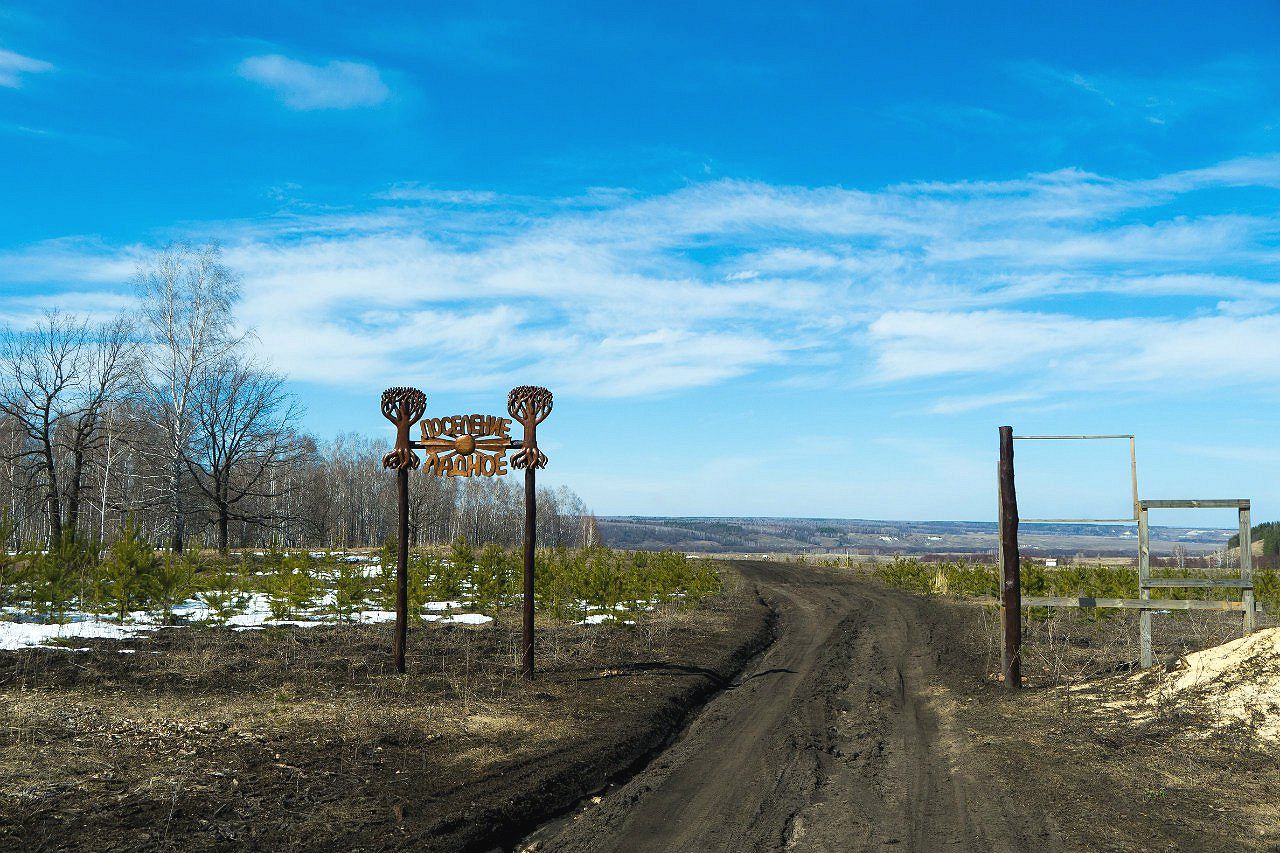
(1232, 684)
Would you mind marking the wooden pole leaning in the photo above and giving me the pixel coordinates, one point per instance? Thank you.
(1010, 580)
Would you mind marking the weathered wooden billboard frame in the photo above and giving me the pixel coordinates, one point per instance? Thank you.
(465, 446)
(1012, 601)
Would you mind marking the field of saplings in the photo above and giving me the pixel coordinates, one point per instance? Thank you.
(1096, 580)
(84, 590)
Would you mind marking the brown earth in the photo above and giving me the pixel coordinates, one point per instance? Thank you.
(286, 739)
(870, 722)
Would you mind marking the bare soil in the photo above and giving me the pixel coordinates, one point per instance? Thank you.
(286, 739)
(873, 723)
(870, 722)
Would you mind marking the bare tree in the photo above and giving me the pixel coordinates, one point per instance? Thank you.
(106, 367)
(187, 295)
(431, 507)
(42, 370)
(244, 434)
(173, 426)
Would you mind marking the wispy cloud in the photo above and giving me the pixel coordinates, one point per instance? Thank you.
(301, 86)
(13, 66)
(958, 405)
(1069, 353)
(941, 286)
(1155, 99)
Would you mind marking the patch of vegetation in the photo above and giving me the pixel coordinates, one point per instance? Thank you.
(1094, 580)
(130, 578)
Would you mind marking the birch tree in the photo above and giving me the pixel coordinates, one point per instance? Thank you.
(106, 368)
(187, 295)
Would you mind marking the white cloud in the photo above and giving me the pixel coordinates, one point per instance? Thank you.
(957, 405)
(14, 65)
(1044, 284)
(301, 86)
(1064, 352)
(94, 306)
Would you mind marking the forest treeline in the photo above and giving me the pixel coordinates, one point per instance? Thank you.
(163, 418)
(1268, 533)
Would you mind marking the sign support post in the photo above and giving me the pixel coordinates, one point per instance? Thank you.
(530, 405)
(402, 406)
(402, 568)
(530, 549)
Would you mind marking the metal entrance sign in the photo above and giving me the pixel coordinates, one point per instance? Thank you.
(465, 446)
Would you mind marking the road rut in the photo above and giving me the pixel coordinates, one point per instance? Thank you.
(837, 737)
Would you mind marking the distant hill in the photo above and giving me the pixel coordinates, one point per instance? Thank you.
(1266, 538)
(711, 535)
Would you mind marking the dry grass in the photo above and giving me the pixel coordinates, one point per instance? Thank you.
(1074, 740)
(205, 738)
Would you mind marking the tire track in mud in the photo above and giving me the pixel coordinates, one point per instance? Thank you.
(836, 738)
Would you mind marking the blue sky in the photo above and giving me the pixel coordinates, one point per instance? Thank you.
(773, 259)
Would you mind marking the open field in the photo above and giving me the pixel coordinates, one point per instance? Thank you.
(864, 538)
(203, 738)
(871, 718)
(75, 592)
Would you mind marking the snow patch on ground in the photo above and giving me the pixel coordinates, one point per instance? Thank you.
(599, 618)
(17, 635)
(466, 619)
(254, 615)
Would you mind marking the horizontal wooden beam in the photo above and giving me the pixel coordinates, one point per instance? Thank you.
(1121, 603)
(1229, 503)
(1130, 520)
(1065, 437)
(1198, 583)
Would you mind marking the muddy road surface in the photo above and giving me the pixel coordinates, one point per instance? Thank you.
(837, 737)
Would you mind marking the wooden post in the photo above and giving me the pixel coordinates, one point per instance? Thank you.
(1144, 588)
(1246, 569)
(1133, 473)
(530, 535)
(1011, 582)
(402, 570)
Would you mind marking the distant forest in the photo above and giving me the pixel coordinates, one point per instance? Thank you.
(1268, 533)
(162, 415)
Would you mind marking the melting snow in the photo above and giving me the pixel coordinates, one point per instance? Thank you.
(466, 619)
(17, 635)
(442, 605)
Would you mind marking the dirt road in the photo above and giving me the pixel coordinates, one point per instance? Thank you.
(836, 738)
